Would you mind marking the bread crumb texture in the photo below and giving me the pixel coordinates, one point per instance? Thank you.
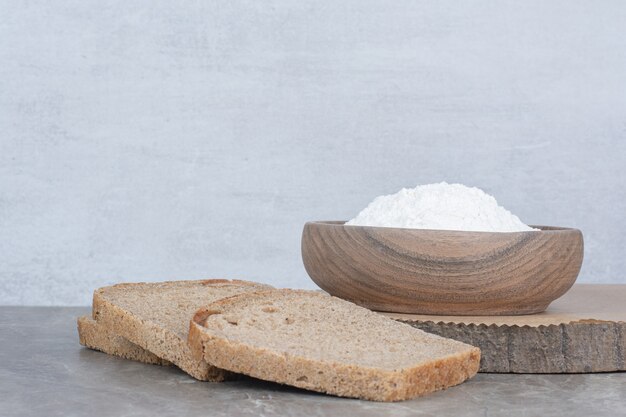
(155, 316)
(314, 341)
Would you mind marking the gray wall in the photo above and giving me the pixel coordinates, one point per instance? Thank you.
(193, 139)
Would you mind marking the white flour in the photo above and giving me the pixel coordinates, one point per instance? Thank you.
(440, 206)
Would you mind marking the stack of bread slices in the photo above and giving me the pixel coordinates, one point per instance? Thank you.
(217, 329)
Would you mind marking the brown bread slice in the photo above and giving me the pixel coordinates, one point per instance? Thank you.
(314, 341)
(155, 316)
(93, 335)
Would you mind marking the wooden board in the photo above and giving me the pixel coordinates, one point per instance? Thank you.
(583, 331)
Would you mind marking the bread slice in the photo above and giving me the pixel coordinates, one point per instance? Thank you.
(314, 341)
(155, 316)
(93, 335)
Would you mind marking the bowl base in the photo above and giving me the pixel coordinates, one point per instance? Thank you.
(456, 310)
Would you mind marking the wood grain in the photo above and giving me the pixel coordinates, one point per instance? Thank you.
(442, 272)
(583, 331)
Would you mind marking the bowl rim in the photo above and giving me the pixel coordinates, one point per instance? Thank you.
(543, 228)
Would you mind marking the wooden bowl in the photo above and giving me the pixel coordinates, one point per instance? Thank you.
(442, 272)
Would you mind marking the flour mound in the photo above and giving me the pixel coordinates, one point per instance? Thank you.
(440, 206)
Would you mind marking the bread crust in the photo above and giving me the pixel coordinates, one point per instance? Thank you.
(94, 336)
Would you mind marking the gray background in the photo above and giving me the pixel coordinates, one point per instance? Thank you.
(171, 140)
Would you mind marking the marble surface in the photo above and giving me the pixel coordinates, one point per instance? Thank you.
(45, 372)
